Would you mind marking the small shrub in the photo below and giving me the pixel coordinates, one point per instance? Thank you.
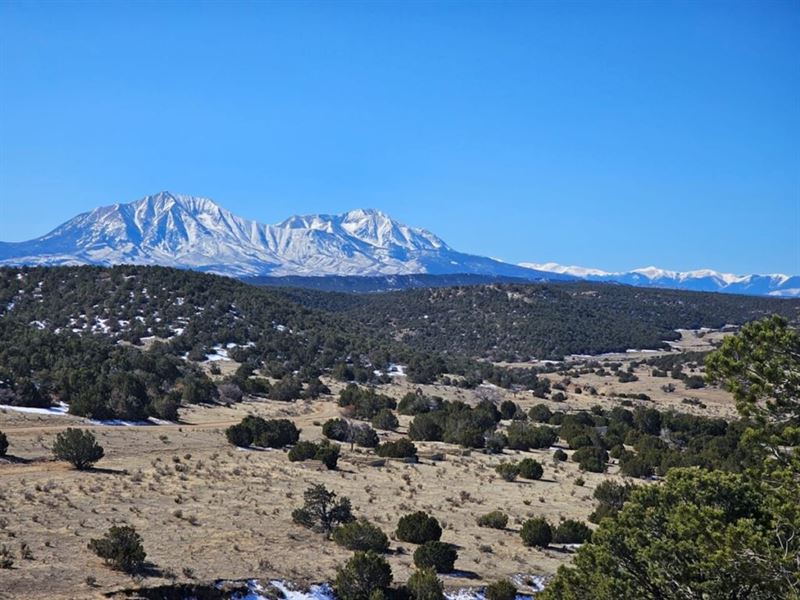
(536, 532)
(560, 455)
(438, 556)
(3, 444)
(571, 531)
(496, 519)
(502, 589)
(361, 536)
(78, 447)
(328, 454)
(591, 458)
(121, 548)
(365, 576)
(530, 469)
(425, 585)
(364, 436)
(303, 450)
(508, 471)
(402, 448)
(385, 419)
(336, 429)
(418, 528)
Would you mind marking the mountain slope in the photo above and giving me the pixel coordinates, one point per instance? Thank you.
(189, 232)
(703, 280)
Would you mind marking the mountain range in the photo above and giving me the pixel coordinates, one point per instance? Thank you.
(195, 233)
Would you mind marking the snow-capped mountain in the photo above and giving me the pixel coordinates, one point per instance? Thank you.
(195, 233)
(703, 280)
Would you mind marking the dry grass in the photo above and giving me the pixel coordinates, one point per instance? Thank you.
(208, 511)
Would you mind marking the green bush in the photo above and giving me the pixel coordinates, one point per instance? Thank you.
(336, 429)
(364, 436)
(303, 450)
(3, 444)
(328, 454)
(571, 531)
(425, 585)
(508, 471)
(540, 413)
(522, 436)
(536, 532)
(426, 427)
(591, 458)
(121, 548)
(495, 442)
(496, 519)
(402, 448)
(385, 419)
(502, 589)
(78, 447)
(560, 455)
(362, 577)
(361, 536)
(508, 409)
(418, 528)
(439, 556)
(530, 469)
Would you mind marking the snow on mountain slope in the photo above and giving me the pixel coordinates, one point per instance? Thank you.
(195, 233)
(703, 280)
(189, 232)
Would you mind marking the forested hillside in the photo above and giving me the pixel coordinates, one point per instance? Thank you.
(544, 320)
(76, 334)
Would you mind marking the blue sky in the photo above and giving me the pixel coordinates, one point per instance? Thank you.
(612, 135)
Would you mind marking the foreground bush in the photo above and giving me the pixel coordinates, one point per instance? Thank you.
(321, 511)
(361, 535)
(438, 556)
(496, 520)
(425, 585)
(121, 548)
(78, 447)
(536, 532)
(571, 531)
(363, 576)
(710, 527)
(418, 528)
(502, 589)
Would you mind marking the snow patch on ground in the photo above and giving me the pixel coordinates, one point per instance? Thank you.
(61, 409)
(258, 591)
(396, 370)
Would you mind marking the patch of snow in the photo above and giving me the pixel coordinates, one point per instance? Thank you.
(61, 409)
(397, 370)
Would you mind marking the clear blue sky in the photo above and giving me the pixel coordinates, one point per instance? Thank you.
(613, 135)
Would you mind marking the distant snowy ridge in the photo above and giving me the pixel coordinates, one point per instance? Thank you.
(705, 280)
(195, 233)
(190, 232)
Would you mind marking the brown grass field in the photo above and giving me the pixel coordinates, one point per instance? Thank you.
(209, 511)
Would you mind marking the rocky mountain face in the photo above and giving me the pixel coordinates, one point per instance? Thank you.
(195, 233)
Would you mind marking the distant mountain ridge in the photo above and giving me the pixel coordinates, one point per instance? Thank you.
(189, 232)
(703, 280)
(195, 233)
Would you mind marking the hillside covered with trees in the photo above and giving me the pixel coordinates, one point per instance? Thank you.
(126, 341)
